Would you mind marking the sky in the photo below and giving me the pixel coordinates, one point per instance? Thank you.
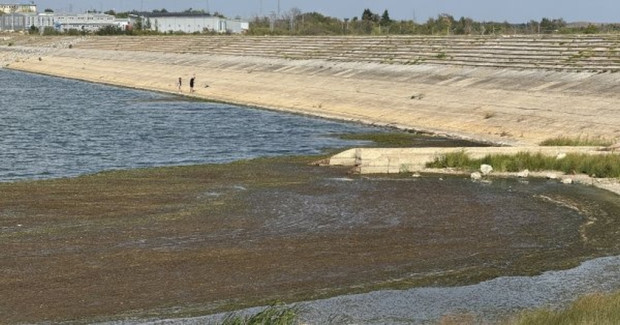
(514, 11)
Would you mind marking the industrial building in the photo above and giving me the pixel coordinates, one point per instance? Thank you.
(61, 22)
(89, 22)
(18, 8)
(15, 17)
(23, 21)
(192, 23)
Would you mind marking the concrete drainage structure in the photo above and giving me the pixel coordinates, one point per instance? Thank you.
(399, 160)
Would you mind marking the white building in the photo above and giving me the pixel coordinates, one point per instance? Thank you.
(18, 8)
(83, 22)
(192, 23)
(40, 21)
(60, 22)
(92, 22)
(12, 22)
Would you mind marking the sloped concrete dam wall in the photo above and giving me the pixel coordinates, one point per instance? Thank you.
(484, 95)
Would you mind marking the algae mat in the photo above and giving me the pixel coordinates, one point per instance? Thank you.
(195, 240)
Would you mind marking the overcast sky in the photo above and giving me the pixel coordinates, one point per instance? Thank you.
(514, 11)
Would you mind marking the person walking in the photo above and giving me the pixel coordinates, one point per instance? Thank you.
(180, 83)
(191, 83)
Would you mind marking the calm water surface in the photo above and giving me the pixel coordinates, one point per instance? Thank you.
(51, 127)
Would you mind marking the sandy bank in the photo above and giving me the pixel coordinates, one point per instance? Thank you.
(499, 105)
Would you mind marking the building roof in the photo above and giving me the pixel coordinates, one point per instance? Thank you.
(176, 14)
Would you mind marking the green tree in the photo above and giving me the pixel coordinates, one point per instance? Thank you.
(368, 15)
(139, 24)
(591, 29)
(551, 26)
(47, 31)
(110, 30)
(385, 19)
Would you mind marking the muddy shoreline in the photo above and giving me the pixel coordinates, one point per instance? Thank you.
(196, 240)
(488, 302)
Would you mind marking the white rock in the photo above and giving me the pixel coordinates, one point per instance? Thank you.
(416, 175)
(523, 174)
(486, 169)
(567, 181)
(560, 156)
(552, 176)
(475, 176)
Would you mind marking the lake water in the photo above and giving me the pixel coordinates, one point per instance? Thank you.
(51, 127)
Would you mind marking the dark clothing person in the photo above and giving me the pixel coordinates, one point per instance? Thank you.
(191, 84)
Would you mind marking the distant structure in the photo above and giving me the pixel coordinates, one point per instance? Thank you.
(192, 23)
(89, 22)
(17, 17)
(18, 8)
(11, 15)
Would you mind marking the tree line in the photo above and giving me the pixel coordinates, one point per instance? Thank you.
(294, 22)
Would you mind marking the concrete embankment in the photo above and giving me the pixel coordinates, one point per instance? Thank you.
(414, 160)
(398, 160)
(467, 94)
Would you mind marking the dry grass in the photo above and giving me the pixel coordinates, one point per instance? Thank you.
(577, 142)
(595, 309)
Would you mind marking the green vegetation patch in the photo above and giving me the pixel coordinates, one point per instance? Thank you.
(408, 140)
(276, 314)
(215, 238)
(392, 140)
(593, 309)
(605, 166)
(577, 142)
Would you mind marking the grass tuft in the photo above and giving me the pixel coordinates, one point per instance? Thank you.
(593, 309)
(577, 142)
(605, 166)
(276, 314)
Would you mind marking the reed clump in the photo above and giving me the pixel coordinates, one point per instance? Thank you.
(577, 142)
(602, 166)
